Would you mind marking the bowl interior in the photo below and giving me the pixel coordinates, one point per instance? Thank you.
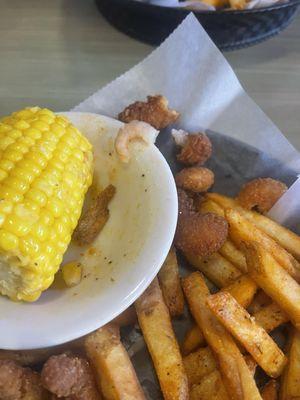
(121, 262)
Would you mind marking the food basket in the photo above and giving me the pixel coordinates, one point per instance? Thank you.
(230, 30)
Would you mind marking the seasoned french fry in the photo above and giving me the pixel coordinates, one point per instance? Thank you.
(127, 317)
(154, 320)
(217, 269)
(252, 336)
(236, 375)
(286, 238)
(192, 340)
(290, 385)
(261, 299)
(270, 317)
(115, 373)
(169, 281)
(211, 387)
(228, 250)
(234, 255)
(251, 363)
(242, 230)
(242, 289)
(198, 364)
(274, 280)
(270, 390)
(208, 205)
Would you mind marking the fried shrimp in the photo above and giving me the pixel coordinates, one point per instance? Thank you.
(133, 131)
(71, 377)
(196, 149)
(195, 179)
(154, 111)
(261, 194)
(18, 383)
(95, 217)
(200, 234)
(185, 203)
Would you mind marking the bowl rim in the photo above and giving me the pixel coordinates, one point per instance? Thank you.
(180, 11)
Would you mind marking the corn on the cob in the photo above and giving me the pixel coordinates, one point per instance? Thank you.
(45, 171)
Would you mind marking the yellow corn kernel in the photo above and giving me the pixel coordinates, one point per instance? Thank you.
(45, 171)
(72, 273)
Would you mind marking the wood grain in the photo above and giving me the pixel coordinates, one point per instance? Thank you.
(55, 53)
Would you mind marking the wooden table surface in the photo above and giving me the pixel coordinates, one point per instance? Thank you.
(55, 53)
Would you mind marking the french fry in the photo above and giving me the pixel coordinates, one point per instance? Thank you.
(211, 387)
(238, 4)
(270, 317)
(251, 363)
(252, 336)
(127, 317)
(261, 299)
(286, 238)
(155, 323)
(114, 371)
(216, 268)
(270, 390)
(208, 205)
(290, 385)
(192, 340)
(242, 230)
(228, 250)
(242, 289)
(236, 375)
(234, 255)
(274, 280)
(198, 364)
(169, 281)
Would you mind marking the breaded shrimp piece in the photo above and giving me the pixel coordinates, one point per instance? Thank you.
(201, 234)
(261, 194)
(195, 179)
(154, 111)
(94, 218)
(10, 380)
(196, 148)
(71, 377)
(18, 383)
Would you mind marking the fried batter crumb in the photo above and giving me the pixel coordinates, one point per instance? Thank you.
(95, 217)
(196, 148)
(195, 179)
(261, 194)
(201, 234)
(155, 111)
(69, 376)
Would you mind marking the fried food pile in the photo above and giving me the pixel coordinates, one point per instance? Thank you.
(244, 285)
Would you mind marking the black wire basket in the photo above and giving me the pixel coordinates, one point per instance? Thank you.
(230, 30)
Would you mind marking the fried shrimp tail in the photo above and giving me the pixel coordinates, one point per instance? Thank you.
(133, 131)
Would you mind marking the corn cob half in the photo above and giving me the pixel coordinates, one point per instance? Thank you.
(45, 171)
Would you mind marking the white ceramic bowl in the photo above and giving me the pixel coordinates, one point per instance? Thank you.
(124, 258)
